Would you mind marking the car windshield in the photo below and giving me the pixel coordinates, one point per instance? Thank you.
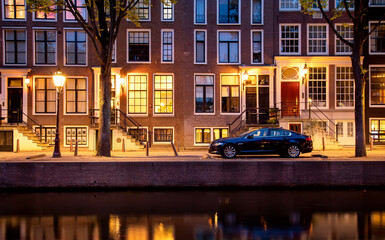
(245, 133)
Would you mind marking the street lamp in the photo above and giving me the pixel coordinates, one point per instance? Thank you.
(58, 80)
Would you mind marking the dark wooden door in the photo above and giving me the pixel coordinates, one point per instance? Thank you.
(251, 105)
(290, 98)
(263, 104)
(15, 105)
(6, 141)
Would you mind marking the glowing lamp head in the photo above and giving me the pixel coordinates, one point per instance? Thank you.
(26, 81)
(59, 79)
(304, 70)
(245, 75)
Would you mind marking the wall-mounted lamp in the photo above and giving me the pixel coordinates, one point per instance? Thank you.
(121, 84)
(27, 82)
(245, 78)
(304, 73)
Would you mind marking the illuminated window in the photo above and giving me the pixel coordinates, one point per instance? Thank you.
(345, 87)
(204, 94)
(139, 46)
(137, 94)
(228, 47)
(167, 46)
(317, 39)
(45, 47)
(377, 85)
(76, 95)
(202, 135)
(15, 47)
(14, 9)
(289, 39)
(220, 133)
(317, 86)
(76, 134)
(167, 11)
(163, 135)
(80, 7)
(377, 130)
(45, 95)
(163, 94)
(76, 45)
(230, 93)
(228, 11)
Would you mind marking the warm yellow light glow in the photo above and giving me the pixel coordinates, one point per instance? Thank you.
(304, 70)
(59, 79)
(216, 220)
(245, 75)
(26, 81)
(309, 100)
(114, 227)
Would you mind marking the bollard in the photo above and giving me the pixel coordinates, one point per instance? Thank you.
(178, 145)
(147, 149)
(371, 144)
(17, 146)
(76, 148)
(173, 148)
(71, 146)
(323, 144)
(123, 146)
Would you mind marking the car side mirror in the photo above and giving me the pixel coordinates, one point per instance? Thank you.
(250, 137)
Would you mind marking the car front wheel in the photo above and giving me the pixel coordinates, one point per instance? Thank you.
(293, 151)
(229, 151)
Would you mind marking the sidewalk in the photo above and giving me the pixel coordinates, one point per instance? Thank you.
(378, 154)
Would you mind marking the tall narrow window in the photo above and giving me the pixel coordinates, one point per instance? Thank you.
(14, 9)
(163, 94)
(137, 94)
(228, 47)
(256, 11)
(167, 11)
(80, 7)
(346, 31)
(139, 46)
(230, 93)
(45, 47)
(257, 46)
(76, 95)
(200, 11)
(204, 94)
(200, 46)
(377, 86)
(75, 47)
(143, 10)
(345, 87)
(317, 86)
(289, 39)
(45, 95)
(167, 46)
(317, 39)
(377, 39)
(15, 47)
(228, 11)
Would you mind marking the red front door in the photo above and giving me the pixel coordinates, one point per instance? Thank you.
(290, 98)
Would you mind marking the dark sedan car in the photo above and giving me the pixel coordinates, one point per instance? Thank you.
(280, 141)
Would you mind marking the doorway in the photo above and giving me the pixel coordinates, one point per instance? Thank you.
(251, 105)
(289, 98)
(15, 100)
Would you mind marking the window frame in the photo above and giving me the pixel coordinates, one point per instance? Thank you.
(289, 9)
(239, 47)
(212, 135)
(172, 7)
(44, 19)
(239, 14)
(195, 13)
(74, 20)
(379, 5)
(149, 13)
(240, 93)
(34, 96)
(147, 97)
(26, 46)
(262, 48)
(128, 45)
(34, 30)
(195, 46)
(76, 126)
(326, 87)
(335, 87)
(65, 112)
(14, 19)
(337, 39)
(172, 46)
(65, 30)
(317, 39)
(370, 38)
(370, 87)
(299, 39)
(173, 96)
(160, 143)
(343, 9)
(214, 105)
(262, 13)
(52, 127)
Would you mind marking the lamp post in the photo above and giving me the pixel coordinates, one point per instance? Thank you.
(58, 80)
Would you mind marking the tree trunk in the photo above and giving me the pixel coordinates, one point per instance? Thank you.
(359, 113)
(104, 139)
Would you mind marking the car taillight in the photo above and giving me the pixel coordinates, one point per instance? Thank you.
(308, 139)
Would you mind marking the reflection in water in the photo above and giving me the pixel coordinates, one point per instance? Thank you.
(247, 215)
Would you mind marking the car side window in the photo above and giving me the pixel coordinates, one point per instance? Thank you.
(280, 132)
(261, 133)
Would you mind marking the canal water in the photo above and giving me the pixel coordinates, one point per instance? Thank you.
(193, 215)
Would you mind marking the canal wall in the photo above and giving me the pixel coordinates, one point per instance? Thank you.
(193, 174)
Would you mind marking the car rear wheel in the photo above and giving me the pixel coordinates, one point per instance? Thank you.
(293, 151)
(229, 151)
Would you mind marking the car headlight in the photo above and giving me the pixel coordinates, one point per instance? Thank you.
(217, 144)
